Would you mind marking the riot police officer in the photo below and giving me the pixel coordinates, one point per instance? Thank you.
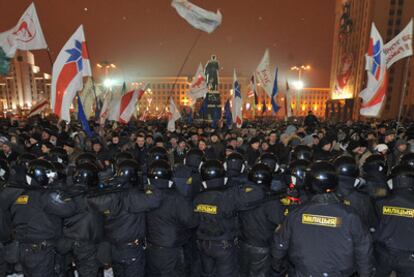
(187, 176)
(257, 226)
(280, 179)
(167, 226)
(188, 183)
(323, 228)
(301, 152)
(235, 169)
(394, 245)
(37, 211)
(348, 182)
(83, 231)
(5, 220)
(216, 208)
(375, 175)
(123, 205)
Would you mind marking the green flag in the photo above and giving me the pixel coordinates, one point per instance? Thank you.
(4, 63)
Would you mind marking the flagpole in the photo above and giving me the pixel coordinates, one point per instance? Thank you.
(186, 58)
(406, 69)
(93, 82)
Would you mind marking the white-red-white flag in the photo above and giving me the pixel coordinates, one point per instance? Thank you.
(71, 65)
(237, 102)
(39, 108)
(198, 88)
(123, 107)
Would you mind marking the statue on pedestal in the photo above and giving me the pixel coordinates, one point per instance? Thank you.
(211, 72)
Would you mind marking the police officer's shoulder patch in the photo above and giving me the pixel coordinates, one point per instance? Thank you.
(189, 181)
(398, 211)
(22, 200)
(285, 201)
(207, 209)
(347, 202)
(321, 220)
(148, 192)
(248, 189)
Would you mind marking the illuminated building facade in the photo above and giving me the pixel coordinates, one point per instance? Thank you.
(351, 37)
(24, 86)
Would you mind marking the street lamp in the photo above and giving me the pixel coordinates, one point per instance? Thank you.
(299, 84)
(106, 66)
(108, 83)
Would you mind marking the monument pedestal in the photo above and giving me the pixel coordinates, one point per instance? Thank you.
(214, 104)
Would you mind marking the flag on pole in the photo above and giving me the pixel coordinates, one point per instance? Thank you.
(88, 98)
(83, 120)
(237, 102)
(123, 107)
(274, 93)
(263, 74)
(204, 107)
(227, 114)
(198, 88)
(71, 65)
(174, 116)
(373, 95)
(400, 46)
(39, 108)
(104, 113)
(288, 103)
(197, 17)
(26, 35)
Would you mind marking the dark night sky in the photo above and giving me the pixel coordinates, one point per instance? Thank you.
(148, 38)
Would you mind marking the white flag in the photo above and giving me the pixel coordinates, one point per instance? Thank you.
(105, 107)
(400, 46)
(237, 102)
(26, 35)
(198, 88)
(175, 115)
(197, 17)
(264, 75)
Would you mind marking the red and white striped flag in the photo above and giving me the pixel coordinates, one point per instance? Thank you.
(39, 108)
(123, 107)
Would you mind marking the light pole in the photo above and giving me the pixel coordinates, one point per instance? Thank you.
(106, 66)
(299, 84)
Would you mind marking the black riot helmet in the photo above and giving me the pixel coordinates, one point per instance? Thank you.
(128, 171)
(212, 174)
(323, 177)
(160, 174)
(121, 156)
(401, 177)
(270, 160)
(4, 171)
(346, 166)
(235, 163)
(42, 173)
(193, 158)
(157, 153)
(61, 170)
(261, 174)
(24, 159)
(59, 155)
(301, 152)
(408, 159)
(299, 171)
(86, 174)
(86, 158)
(375, 164)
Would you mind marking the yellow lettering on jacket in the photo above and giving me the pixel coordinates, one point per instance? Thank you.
(207, 209)
(22, 200)
(320, 220)
(398, 211)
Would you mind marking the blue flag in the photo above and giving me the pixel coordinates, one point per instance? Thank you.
(190, 116)
(227, 114)
(274, 93)
(83, 120)
(216, 117)
(204, 106)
